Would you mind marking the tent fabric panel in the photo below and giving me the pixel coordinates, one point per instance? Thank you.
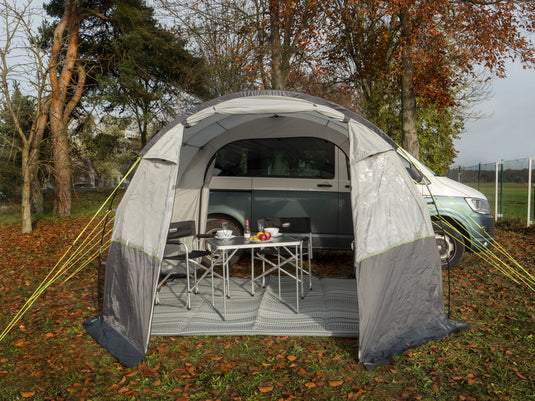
(365, 142)
(400, 302)
(113, 342)
(168, 147)
(387, 208)
(207, 109)
(264, 104)
(187, 204)
(143, 216)
(130, 285)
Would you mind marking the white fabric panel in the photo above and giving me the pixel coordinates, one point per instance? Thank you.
(167, 147)
(380, 184)
(187, 203)
(264, 104)
(142, 218)
(368, 143)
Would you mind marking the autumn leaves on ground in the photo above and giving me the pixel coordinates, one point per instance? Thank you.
(48, 356)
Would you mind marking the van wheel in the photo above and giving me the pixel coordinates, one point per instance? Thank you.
(216, 223)
(450, 245)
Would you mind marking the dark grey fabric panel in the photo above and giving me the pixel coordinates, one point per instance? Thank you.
(116, 344)
(400, 300)
(130, 283)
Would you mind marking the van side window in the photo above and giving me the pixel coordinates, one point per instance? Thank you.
(277, 157)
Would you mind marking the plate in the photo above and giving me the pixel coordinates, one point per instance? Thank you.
(223, 238)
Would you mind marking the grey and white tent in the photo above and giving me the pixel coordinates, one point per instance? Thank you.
(398, 277)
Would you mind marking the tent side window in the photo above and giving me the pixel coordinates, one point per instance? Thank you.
(277, 157)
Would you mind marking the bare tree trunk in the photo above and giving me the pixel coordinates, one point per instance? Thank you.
(277, 81)
(409, 139)
(62, 164)
(26, 182)
(36, 193)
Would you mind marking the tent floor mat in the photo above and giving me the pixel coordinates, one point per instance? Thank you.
(329, 309)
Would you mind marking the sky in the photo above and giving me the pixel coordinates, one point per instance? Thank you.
(508, 133)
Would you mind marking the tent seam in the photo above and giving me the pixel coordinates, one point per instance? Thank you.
(394, 246)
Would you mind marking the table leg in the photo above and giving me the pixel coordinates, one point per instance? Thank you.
(297, 278)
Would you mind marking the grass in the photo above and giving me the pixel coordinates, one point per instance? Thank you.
(83, 203)
(48, 355)
(514, 201)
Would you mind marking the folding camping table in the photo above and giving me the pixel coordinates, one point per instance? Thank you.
(224, 249)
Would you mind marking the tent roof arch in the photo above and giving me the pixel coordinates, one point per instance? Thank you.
(213, 118)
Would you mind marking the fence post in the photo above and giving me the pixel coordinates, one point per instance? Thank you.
(496, 192)
(501, 189)
(479, 177)
(529, 191)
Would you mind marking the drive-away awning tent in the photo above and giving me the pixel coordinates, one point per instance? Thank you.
(398, 276)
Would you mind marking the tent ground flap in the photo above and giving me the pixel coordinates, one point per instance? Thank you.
(112, 341)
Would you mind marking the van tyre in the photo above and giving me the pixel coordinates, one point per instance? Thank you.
(450, 245)
(215, 224)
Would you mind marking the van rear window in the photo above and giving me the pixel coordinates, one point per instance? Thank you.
(277, 157)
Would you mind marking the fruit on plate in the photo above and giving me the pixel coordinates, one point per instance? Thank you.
(268, 235)
(262, 237)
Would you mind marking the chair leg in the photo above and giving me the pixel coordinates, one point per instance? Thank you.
(301, 269)
(188, 284)
(279, 271)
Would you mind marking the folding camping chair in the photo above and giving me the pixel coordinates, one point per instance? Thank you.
(299, 227)
(179, 255)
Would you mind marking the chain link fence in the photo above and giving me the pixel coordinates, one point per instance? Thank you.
(508, 185)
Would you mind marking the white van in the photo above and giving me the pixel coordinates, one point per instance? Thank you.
(309, 177)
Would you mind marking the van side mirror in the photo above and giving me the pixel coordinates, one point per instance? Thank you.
(416, 175)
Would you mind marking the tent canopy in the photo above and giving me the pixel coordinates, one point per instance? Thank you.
(398, 273)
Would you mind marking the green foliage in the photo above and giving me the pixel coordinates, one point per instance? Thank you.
(11, 142)
(105, 146)
(437, 128)
(148, 67)
(134, 66)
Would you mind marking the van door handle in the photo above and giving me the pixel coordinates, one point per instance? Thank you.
(324, 185)
(348, 186)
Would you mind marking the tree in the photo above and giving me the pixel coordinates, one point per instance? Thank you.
(67, 80)
(24, 116)
(148, 68)
(263, 41)
(424, 50)
(101, 144)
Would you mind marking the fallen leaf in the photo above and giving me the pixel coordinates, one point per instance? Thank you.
(336, 383)
(156, 382)
(48, 335)
(310, 385)
(292, 358)
(27, 394)
(265, 389)
(522, 377)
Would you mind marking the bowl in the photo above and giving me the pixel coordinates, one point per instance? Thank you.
(224, 233)
(272, 230)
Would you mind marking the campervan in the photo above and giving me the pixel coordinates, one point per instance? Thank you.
(309, 177)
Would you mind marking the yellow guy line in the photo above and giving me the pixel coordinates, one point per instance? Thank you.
(53, 275)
